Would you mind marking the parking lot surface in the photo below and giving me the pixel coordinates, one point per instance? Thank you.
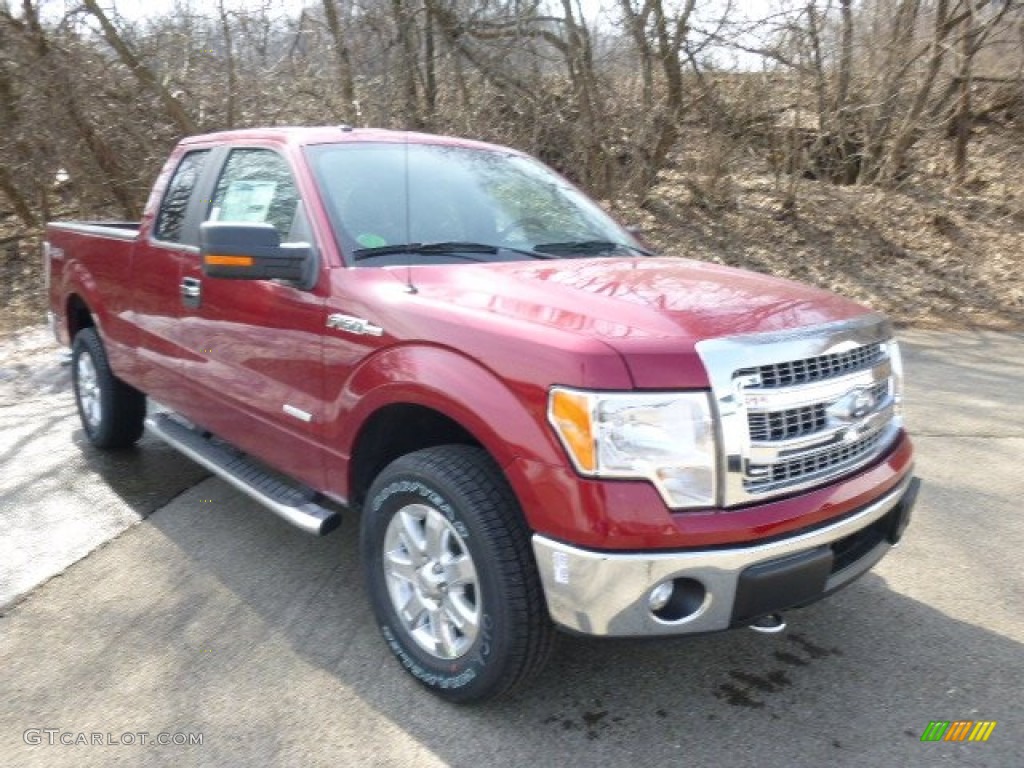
(197, 616)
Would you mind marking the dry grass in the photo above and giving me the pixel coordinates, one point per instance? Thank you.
(22, 296)
(926, 254)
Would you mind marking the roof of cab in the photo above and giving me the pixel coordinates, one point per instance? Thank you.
(336, 134)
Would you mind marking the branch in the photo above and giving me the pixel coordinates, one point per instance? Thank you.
(142, 73)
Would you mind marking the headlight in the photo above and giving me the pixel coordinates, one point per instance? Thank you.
(667, 438)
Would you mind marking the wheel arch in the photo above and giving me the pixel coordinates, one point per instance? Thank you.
(419, 397)
(396, 430)
(77, 315)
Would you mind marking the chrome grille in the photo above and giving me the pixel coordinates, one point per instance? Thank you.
(794, 372)
(852, 404)
(785, 425)
(813, 464)
(797, 422)
(803, 408)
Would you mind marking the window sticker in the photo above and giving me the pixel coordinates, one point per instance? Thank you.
(246, 201)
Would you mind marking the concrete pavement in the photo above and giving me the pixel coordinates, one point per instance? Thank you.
(59, 498)
(212, 617)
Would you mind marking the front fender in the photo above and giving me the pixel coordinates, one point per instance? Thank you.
(507, 418)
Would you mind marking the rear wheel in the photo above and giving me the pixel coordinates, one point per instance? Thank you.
(451, 574)
(112, 412)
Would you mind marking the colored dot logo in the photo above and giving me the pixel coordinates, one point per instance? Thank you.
(958, 730)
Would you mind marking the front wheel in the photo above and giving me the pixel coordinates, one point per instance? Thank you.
(451, 575)
(112, 412)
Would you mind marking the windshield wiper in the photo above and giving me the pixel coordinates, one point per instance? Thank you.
(446, 248)
(588, 247)
(452, 248)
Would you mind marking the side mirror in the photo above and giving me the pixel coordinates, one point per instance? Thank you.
(251, 251)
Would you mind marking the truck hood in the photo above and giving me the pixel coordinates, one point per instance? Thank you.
(652, 311)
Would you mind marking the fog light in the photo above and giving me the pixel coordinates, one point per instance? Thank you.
(680, 599)
(660, 596)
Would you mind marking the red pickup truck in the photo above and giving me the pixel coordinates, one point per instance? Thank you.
(540, 423)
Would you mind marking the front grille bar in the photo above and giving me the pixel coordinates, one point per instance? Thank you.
(831, 366)
(801, 409)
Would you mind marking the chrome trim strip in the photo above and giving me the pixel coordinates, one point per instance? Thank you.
(783, 398)
(605, 593)
(167, 245)
(775, 450)
(767, 488)
(99, 228)
(355, 325)
(298, 413)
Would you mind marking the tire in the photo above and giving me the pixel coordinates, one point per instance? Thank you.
(443, 536)
(111, 411)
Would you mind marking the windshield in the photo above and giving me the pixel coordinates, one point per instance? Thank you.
(417, 203)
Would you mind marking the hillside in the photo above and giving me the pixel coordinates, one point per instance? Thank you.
(924, 253)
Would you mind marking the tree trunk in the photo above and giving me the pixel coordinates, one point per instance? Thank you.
(665, 122)
(9, 120)
(342, 56)
(962, 116)
(636, 24)
(142, 73)
(845, 71)
(907, 135)
(429, 74)
(579, 64)
(232, 77)
(18, 202)
(824, 123)
(64, 94)
(894, 71)
(404, 23)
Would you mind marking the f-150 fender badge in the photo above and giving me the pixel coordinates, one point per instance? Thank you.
(356, 325)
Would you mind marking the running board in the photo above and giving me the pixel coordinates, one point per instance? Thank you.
(295, 503)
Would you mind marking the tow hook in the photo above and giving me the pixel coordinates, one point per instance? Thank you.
(771, 624)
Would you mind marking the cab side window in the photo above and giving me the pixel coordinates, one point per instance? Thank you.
(256, 185)
(174, 207)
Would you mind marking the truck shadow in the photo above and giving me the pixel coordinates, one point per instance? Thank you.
(855, 679)
(145, 477)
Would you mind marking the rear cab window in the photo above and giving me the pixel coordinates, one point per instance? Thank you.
(170, 223)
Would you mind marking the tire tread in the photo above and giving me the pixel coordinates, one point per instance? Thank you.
(123, 406)
(474, 475)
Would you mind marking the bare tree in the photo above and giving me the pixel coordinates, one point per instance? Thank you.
(342, 56)
(606, 105)
(142, 72)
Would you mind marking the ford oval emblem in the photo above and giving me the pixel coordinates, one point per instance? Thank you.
(853, 406)
(862, 403)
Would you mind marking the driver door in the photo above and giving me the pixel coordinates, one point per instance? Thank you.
(256, 366)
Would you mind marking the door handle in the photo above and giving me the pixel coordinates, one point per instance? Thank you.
(191, 287)
(191, 292)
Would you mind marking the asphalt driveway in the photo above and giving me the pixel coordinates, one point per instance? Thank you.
(204, 618)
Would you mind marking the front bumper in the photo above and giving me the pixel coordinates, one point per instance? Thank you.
(606, 593)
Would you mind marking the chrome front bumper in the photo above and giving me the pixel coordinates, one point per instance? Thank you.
(606, 593)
